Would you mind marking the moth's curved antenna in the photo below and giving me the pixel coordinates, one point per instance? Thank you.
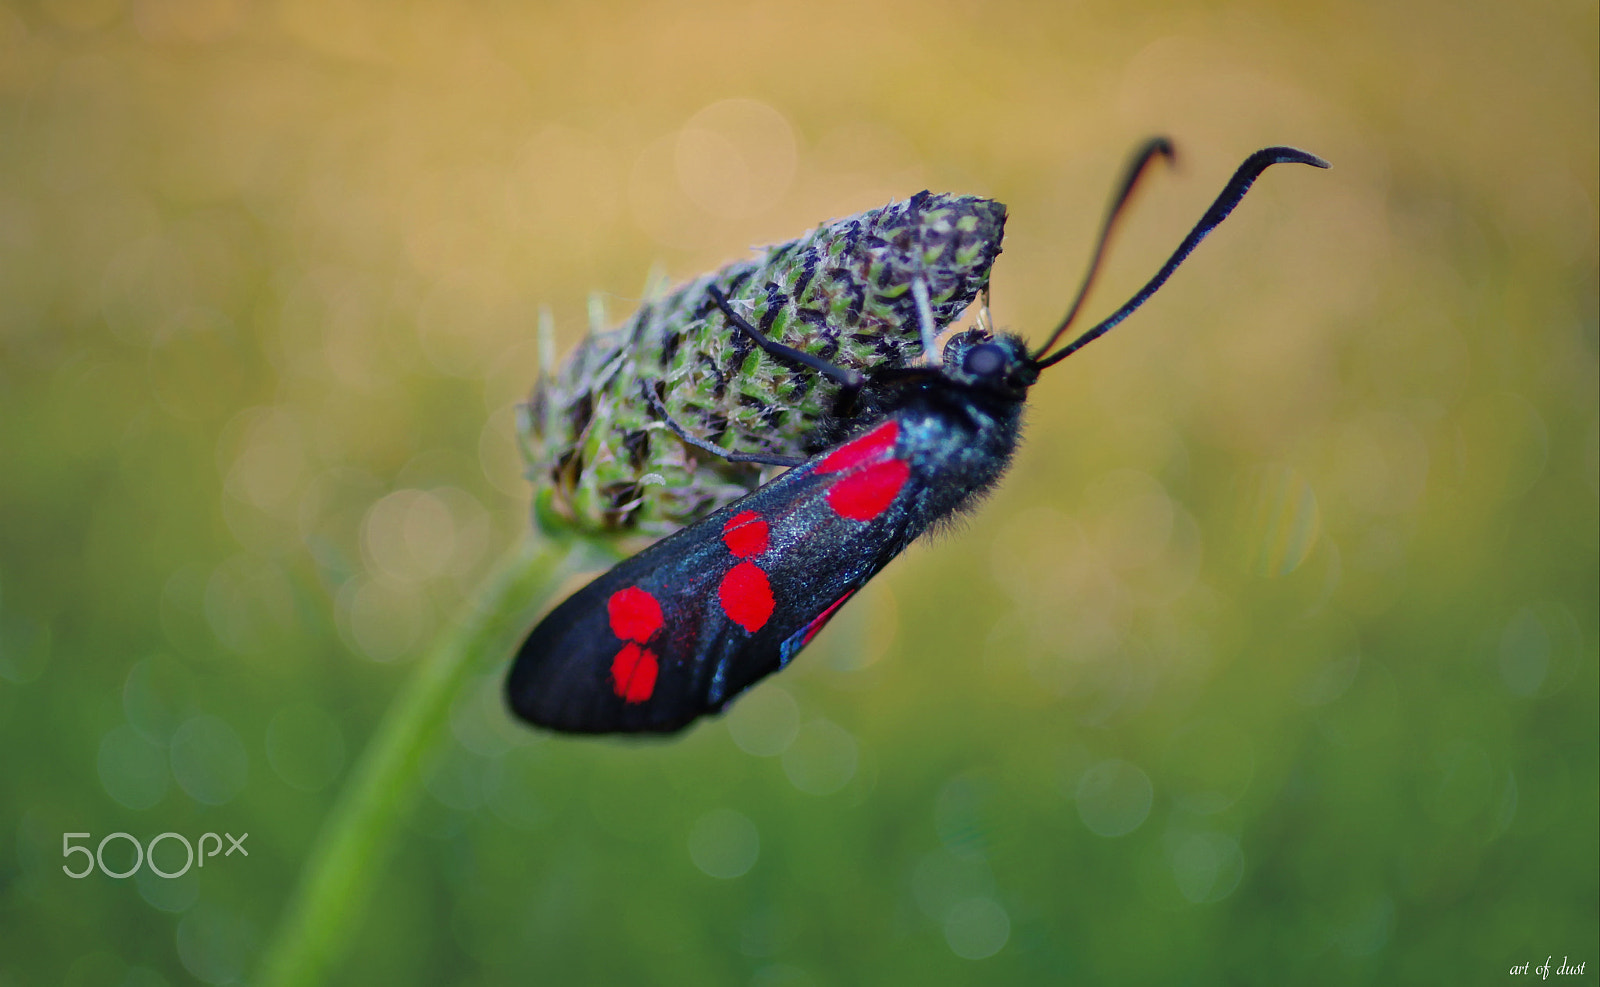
(1153, 148)
(1231, 194)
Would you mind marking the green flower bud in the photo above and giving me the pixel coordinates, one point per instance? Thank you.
(602, 458)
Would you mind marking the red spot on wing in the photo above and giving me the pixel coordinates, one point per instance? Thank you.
(745, 534)
(746, 596)
(866, 493)
(875, 446)
(635, 614)
(633, 673)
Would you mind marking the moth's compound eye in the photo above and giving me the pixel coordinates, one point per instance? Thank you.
(984, 360)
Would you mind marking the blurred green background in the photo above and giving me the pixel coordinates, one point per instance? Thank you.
(1272, 661)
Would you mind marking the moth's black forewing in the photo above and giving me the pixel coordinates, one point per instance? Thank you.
(563, 676)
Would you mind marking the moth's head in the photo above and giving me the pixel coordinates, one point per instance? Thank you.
(996, 362)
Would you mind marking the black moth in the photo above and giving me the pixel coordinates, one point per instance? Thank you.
(680, 629)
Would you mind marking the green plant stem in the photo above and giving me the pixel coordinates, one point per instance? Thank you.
(360, 832)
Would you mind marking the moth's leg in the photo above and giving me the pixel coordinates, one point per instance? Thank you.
(699, 443)
(850, 382)
(925, 326)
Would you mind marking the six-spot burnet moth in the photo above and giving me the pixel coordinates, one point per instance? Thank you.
(842, 293)
(678, 630)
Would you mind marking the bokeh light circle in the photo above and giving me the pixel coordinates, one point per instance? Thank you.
(1114, 797)
(724, 844)
(133, 770)
(765, 721)
(209, 760)
(977, 928)
(822, 759)
(305, 746)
